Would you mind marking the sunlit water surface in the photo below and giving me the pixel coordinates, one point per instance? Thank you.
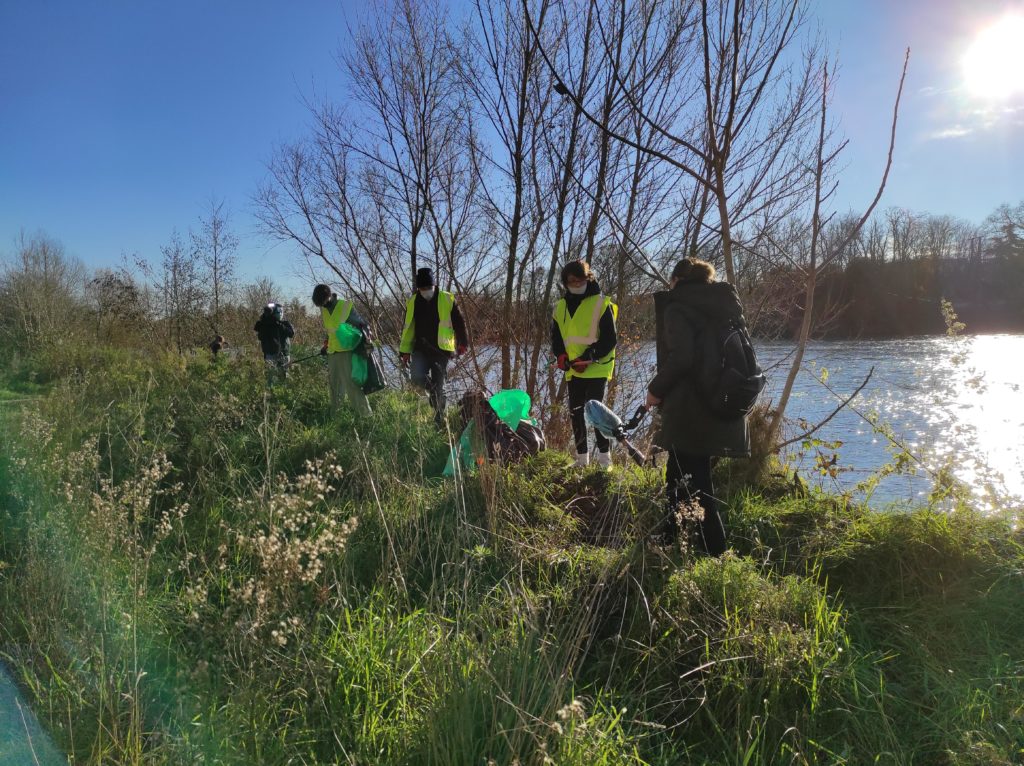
(953, 402)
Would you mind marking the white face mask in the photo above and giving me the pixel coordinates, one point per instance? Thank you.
(427, 294)
(578, 290)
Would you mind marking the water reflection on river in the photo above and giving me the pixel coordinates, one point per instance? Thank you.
(956, 401)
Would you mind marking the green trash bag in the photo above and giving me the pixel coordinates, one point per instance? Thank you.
(511, 405)
(348, 336)
(461, 453)
(360, 367)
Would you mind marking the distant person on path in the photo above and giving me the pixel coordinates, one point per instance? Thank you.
(275, 334)
(336, 312)
(583, 344)
(690, 432)
(434, 330)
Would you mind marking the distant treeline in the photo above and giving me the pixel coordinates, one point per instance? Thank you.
(898, 298)
(888, 282)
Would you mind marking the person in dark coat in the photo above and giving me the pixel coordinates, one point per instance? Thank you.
(689, 432)
(275, 334)
(217, 345)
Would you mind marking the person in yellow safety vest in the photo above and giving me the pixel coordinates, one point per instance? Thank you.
(583, 345)
(336, 312)
(433, 331)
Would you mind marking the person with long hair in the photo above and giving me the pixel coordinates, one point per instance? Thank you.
(690, 432)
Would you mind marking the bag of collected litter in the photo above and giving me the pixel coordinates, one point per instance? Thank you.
(375, 380)
(489, 434)
(349, 336)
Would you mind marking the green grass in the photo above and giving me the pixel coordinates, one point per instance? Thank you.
(193, 571)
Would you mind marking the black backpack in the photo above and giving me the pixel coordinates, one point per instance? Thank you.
(729, 379)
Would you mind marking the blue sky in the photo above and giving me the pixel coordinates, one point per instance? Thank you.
(120, 119)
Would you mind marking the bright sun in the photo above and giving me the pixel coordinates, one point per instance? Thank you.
(994, 64)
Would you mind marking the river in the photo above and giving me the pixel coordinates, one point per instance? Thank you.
(951, 401)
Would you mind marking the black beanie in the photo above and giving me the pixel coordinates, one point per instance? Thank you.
(424, 278)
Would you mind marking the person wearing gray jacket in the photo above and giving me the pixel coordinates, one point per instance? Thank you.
(690, 433)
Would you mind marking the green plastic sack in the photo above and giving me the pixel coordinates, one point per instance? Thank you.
(349, 336)
(359, 369)
(462, 453)
(511, 405)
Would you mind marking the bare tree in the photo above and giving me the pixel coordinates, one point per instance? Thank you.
(817, 258)
(256, 295)
(217, 248)
(118, 310)
(743, 143)
(182, 294)
(502, 74)
(371, 201)
(41, 291)
(402, 68)
(871, 241)
(1005, 230)
(903, 237)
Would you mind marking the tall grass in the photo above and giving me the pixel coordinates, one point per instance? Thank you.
(197, 570)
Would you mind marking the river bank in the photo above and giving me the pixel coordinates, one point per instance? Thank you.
(200, 573)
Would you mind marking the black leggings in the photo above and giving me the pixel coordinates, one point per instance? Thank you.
(687, 478)
(582, 390)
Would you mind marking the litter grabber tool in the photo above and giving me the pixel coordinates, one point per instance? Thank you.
(598, 416)
(304, 359)
(637, 419)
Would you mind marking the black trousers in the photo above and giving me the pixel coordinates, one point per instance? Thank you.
(582, 390)
(688, 479)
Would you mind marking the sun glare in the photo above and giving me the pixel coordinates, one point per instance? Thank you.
(994, 64)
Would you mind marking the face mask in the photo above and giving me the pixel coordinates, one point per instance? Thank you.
(578, 290)
(427, 294)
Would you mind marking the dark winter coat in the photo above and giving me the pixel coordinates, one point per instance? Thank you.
(274, 334)
(687, 425)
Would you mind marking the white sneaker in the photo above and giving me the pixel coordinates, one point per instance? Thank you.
(582, 459)
(604, 459)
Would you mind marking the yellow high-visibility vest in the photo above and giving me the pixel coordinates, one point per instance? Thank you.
(445, 331)
(581, 329)
(332, 321)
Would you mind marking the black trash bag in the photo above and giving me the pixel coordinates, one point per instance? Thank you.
(503, 445)
(375, 380)
(532, 435)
